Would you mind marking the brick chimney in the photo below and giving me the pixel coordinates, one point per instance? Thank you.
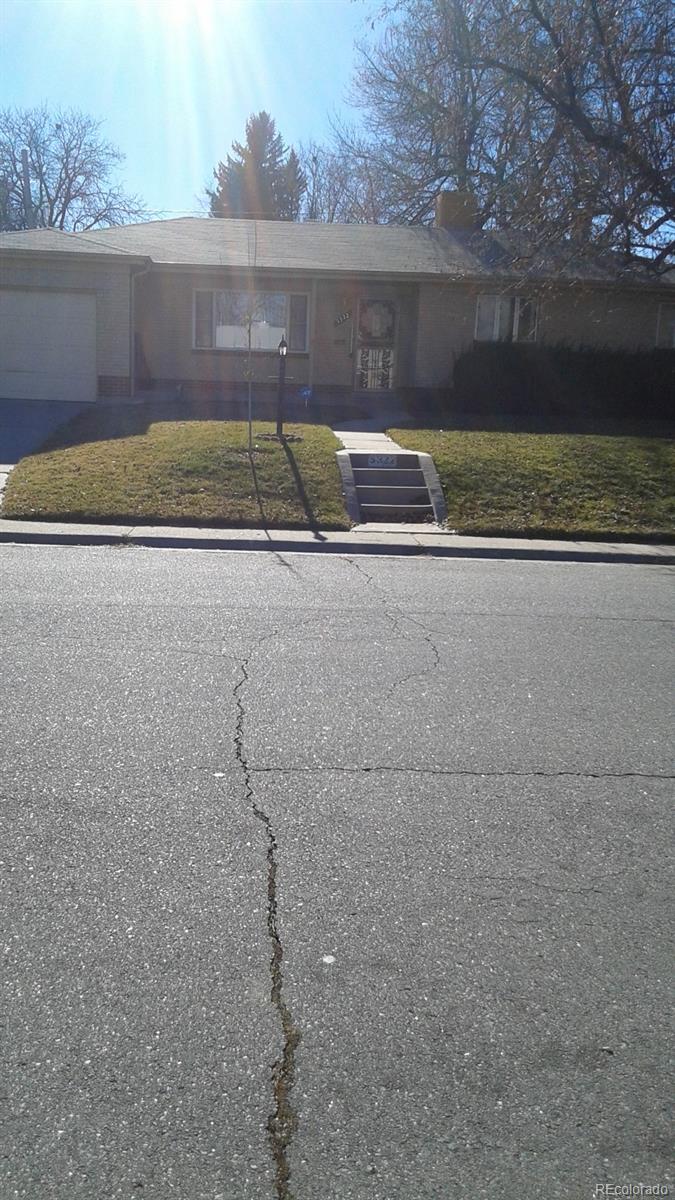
(456, 210)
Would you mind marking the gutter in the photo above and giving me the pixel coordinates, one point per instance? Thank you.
(119, 258)
(412, 278)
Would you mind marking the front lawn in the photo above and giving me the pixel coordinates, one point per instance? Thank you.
(555, 485)
(118, 466)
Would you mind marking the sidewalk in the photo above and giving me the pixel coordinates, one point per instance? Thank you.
(427, 540)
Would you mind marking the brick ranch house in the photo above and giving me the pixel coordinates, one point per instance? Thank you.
(364, 309)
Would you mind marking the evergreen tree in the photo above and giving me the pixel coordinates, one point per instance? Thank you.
(292, 187)
(260, 178)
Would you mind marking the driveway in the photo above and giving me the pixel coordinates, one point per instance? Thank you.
(25, 424)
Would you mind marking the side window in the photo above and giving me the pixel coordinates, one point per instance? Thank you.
(506, 319)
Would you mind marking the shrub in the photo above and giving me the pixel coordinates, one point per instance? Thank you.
(560, 381)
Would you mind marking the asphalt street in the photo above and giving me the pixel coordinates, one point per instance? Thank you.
(328, 878)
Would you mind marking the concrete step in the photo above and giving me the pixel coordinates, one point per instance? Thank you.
(388, 477)
(403, 496)
(396, 512)
(384, 482)
(384, 461)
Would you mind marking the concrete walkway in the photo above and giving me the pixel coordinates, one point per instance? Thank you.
(368, 442)
(365, 539)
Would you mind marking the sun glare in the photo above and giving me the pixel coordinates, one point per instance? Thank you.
(181, 15)
(210, 69)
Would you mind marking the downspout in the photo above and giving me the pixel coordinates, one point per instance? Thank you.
(133, 276)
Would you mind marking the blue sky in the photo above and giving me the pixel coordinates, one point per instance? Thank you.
(175, 80)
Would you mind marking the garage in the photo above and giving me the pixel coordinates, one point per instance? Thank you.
(47, 345)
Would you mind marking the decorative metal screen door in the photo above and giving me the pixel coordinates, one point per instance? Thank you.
(375, 351)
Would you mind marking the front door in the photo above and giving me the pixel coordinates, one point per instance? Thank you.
(376, 346)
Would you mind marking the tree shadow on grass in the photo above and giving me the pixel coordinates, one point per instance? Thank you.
(304, 499)
(258, 494)
(302, 494)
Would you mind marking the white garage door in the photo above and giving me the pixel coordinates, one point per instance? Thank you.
(47, 345)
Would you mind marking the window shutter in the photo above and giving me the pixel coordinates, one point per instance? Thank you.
(527, 320)
(485, 318)
(505, 327)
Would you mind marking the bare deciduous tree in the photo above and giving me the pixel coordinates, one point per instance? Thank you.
(70, 168)
(344, 187)
(559, 115)
(604, 72)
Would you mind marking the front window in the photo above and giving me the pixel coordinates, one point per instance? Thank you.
(506, 319)
(222, 320)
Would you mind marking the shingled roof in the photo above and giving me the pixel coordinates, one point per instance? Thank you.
(395, 251)
(59, 242)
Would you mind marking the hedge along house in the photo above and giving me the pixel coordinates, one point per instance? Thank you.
(365, 310)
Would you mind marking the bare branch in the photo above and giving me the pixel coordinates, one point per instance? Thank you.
(71, 168)
(559, 115)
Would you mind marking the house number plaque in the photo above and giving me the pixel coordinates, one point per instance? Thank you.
(381, 460)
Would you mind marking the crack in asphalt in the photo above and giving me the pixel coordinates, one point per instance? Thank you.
(282, 1121)
(526, 615)
(429, 641)
(393, 617)
(470, 774)
(397, 620)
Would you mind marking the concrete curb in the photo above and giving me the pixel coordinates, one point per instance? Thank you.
(393, 541)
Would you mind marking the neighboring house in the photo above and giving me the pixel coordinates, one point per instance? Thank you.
(364, 309)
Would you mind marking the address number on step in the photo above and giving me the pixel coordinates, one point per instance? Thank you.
(381, 460)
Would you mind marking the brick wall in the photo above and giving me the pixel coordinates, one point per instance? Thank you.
(164, 319)
(164, 301)
(574, 315)
(114, 385)
(445, 326)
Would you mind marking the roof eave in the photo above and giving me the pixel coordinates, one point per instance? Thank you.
(120, 257)
(412, 277)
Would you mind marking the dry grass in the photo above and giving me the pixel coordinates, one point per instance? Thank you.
(567, 485)
(118, 467)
